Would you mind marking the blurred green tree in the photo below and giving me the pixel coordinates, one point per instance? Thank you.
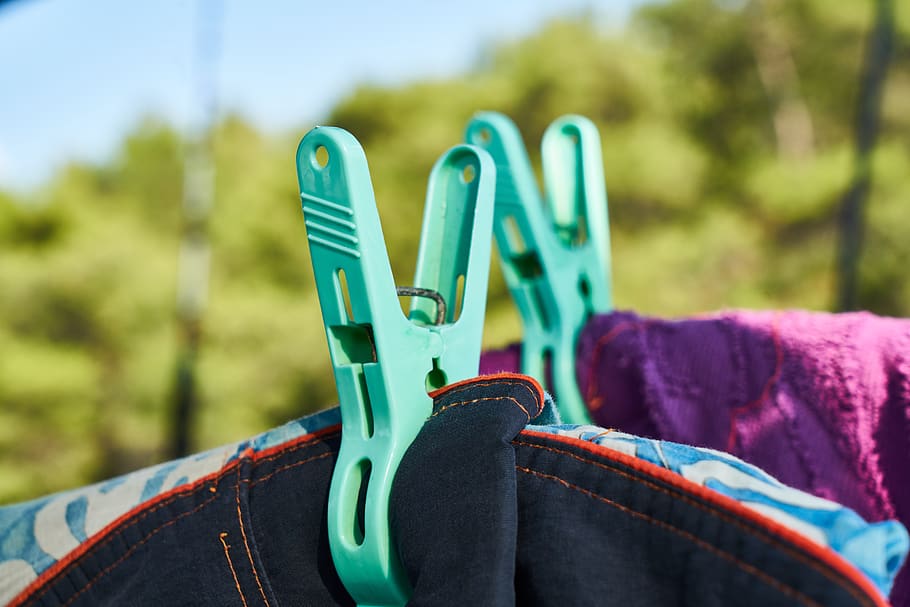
(727, 136)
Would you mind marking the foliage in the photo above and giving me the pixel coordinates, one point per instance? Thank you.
(708, 210)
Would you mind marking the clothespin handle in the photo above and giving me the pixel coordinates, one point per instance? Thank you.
(385, 364)
(555, 257)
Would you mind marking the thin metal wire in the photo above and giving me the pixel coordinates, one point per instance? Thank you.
(429, 294)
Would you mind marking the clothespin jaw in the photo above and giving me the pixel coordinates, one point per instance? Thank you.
(385, 364)
(556, 262)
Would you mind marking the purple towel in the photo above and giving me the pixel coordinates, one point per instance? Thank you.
(820, 401)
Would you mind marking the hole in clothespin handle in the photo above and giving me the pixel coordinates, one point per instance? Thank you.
(516, 241)
(363, 470)
(581, 231)
(528, 265)
(345, 294)
(548, 370)
(320, 157)
(459, 296)
(436, 378)
(584, 287)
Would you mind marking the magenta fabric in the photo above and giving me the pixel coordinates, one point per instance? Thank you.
(820, 401)
(508, 359)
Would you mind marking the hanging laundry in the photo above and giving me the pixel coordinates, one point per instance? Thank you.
(484, 507)
(820, 401)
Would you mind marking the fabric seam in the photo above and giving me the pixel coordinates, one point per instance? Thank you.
(133, 517)
(227, 555)
(766, 391)
(484, 399)
(484, 380)
(522, 384)
(765, 533)
(746, 567)
(596, 402)
(246, 543)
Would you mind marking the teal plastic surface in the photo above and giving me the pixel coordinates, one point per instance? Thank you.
(385, 364)
(556, 259)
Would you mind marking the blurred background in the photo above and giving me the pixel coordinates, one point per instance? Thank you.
(156, 294)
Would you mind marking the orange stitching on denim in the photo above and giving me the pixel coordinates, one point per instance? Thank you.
(309, 443)
(110, 537)
(493, 379)
(246, 544)
(595, 402)
(253, 483)
(188, 491)
(227, 555)
(766, 390)
(117, 532)
(133, 548)
(478, 400)
(475, 384)
(780, 586)
(523, 384)
(677, 494)
(715, 511)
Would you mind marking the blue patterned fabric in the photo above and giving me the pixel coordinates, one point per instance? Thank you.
(34, 535)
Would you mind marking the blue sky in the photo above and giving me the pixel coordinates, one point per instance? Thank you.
(76, 74)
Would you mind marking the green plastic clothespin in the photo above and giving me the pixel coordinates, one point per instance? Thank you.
(557, 267)
(385, 364)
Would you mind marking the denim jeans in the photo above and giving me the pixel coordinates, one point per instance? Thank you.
(484, 512)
